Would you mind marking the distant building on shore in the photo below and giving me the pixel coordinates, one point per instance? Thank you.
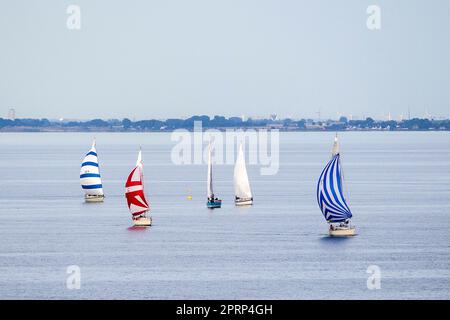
(12, 114)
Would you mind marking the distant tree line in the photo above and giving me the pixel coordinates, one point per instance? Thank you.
(221, 122)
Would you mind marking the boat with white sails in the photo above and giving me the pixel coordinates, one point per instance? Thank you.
(330, 196)
(212, 201)
(242, 192)
(90, 178)
(134, 192)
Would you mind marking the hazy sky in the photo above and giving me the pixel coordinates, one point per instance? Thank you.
(175, 58)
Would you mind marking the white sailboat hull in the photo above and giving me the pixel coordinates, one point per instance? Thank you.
(343, 232)
(94, 198)
(142, 222)
(243, 202)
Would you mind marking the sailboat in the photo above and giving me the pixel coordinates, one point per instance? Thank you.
(212, 201)
(330, 196)
(90, 178)
(134, 192)
(242, 191)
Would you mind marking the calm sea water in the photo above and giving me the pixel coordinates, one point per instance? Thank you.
(399, 191)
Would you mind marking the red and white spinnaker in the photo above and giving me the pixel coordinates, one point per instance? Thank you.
(134, 191)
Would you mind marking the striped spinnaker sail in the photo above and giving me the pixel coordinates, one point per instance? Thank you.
(330, 196)
(90, 178)
(134, 190)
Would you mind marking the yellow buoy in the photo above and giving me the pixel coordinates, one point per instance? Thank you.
(189, 192)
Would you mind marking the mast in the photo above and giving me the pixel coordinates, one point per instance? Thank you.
(335, 149)
(241, 183)
(90, 178)
(209, 185)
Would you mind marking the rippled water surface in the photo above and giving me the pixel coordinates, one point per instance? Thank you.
(398, 188)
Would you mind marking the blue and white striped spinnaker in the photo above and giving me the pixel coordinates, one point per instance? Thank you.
(330, 196)
(90, 174)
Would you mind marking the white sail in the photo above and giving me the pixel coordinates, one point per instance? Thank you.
(140, 165)
(90, 178)
(209, 186)
(241, 184)
(139, 158)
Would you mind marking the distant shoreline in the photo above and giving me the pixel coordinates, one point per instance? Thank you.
(93, 130)
(222, 124)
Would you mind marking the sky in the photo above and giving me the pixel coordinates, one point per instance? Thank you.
(176, 58)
